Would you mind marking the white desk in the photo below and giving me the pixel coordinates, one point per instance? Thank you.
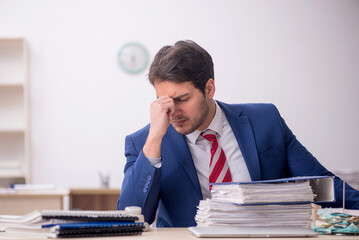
(20, 202)
(175, 234)
(24, 201)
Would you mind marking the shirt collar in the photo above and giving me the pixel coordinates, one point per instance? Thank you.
(216, 125)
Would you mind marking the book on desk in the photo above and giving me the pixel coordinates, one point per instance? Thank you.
(70, 223)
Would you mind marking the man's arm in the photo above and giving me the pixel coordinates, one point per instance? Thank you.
(302, 163)
(141, 184)
(161, 109)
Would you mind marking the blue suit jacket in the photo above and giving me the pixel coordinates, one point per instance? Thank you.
(269, 148)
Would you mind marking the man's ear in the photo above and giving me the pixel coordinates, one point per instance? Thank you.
(210, 88)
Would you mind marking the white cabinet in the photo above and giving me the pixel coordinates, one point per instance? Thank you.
(14, 112)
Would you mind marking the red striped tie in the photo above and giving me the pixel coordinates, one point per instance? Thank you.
(218, 167)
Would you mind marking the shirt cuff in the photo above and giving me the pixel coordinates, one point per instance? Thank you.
(155, 162)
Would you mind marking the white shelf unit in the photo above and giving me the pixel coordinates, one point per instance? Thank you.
(14, 112)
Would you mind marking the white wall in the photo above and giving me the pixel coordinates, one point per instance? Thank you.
(301, 55)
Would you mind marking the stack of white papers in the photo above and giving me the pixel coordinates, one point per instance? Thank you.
(282, 202)
(211, 213)
(263, 192)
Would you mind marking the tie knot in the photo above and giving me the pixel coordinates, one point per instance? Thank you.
(210, 135)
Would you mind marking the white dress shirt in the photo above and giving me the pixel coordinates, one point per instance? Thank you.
(201, 152)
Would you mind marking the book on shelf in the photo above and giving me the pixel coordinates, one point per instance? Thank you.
(69, 223)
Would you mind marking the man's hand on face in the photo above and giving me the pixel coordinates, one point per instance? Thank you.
(161, 110)
(160, 113)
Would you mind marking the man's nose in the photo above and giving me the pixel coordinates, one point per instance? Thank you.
(176, 113)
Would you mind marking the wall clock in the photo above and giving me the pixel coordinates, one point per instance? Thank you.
(133, 58)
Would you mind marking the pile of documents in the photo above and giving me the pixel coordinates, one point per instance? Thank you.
(65, 224)
(263, 192)
(211, 213)
(281, 202)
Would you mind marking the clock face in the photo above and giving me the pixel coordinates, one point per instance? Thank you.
(133, 58)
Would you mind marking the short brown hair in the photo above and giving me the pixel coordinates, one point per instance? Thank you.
(186, 61)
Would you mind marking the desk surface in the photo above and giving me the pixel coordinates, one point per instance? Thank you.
(172, 233)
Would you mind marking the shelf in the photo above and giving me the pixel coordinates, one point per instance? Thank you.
(6, 181)
(9, 165)
(12, 130)
(12, 147)
(15, 173)
(10, 169)
(12, 108)
(12, 61)
(14, 113)
(11, 85)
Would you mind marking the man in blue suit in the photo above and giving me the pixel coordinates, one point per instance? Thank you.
(167, 165)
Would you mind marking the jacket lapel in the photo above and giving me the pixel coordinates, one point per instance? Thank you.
(243, 132)
(179, 148)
